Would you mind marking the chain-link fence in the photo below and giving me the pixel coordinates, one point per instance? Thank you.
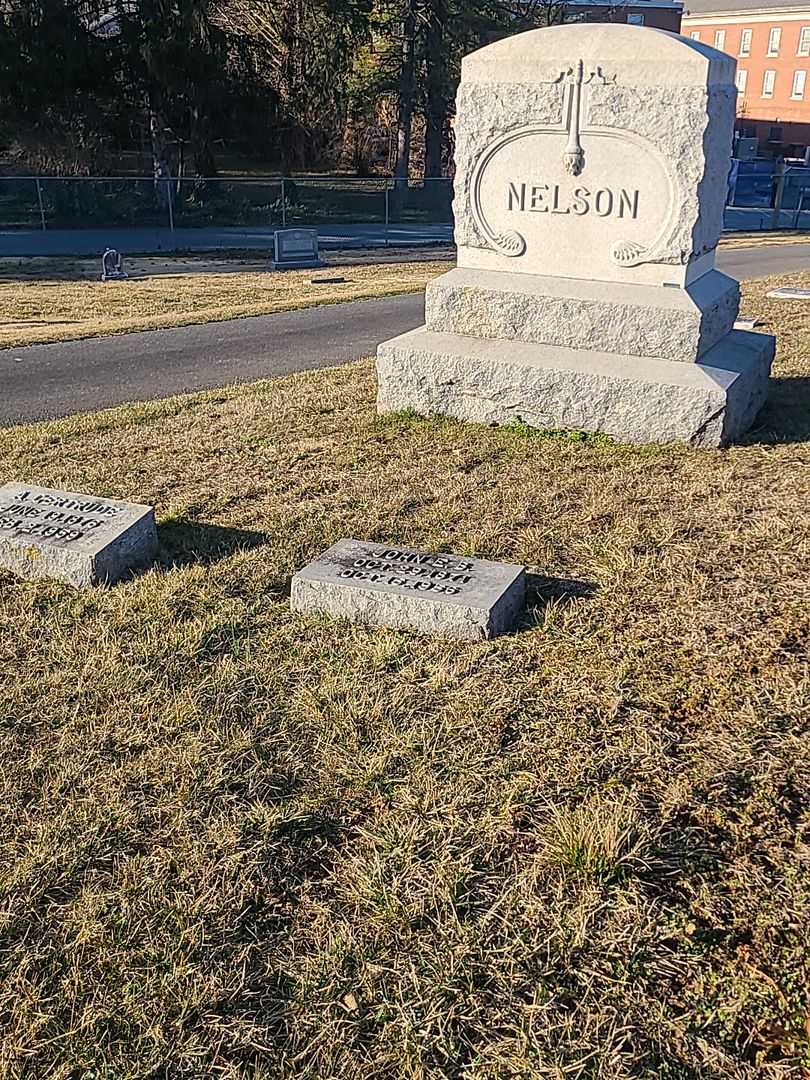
(768, 195)
(81, 215)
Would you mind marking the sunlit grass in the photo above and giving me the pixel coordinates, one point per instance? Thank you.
(237, 842)
(73, 303)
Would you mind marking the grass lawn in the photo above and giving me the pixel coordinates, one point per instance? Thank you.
(763, 239)
(44, 300)
(237, 842)
(60, 299)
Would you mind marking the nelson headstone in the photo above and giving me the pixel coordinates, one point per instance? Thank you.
(591, 165)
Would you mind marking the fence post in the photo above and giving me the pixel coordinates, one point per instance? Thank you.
(41, 207)
(779, 192)
(169, 204)
(283, 205)
(387, 212)
(799, 208)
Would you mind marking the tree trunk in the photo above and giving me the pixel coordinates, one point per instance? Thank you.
(436, 92)
(204, 164)
(156, 139)
(407, 92)
(161, 170)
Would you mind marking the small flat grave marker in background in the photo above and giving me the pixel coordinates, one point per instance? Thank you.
(295, 249)
(790, 293)
(446, 595)
(79, 539)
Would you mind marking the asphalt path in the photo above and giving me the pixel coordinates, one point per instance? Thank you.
(48, 381)
(754, 262)
(133, 240)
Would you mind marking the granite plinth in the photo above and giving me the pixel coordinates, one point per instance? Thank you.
(638, 320)
(444, 595)
(633, 399)
(79, 539)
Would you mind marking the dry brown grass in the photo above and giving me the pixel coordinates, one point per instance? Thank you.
(764, 239)
(60, 300)
(238, 842)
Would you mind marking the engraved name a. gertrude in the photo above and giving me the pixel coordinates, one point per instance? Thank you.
(547, 198)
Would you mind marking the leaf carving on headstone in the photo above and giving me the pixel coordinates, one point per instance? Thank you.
(509, 243)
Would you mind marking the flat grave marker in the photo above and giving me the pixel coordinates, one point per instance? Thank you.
(383, 585)
(79, 539)
(789, 293)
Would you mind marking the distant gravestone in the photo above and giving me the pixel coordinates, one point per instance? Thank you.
(591, 165)
(446, 595)
(112, 266)
(295, 249)
(79, 539)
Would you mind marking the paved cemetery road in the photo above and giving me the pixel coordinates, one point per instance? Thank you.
(46, 381)
(84, 242)
(757, 262)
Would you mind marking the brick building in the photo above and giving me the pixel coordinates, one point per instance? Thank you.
(771, 44)
(658, 14)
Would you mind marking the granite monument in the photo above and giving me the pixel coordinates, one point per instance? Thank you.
(591, 165)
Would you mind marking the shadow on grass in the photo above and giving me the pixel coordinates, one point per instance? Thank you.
(786, 415)
(185, 543)
(541, 590)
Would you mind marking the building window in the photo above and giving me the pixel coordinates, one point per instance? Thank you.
(768, 81)
(804, 42)
(695, 35)
(742, 81)
(719, 39)
(774, 37)
(635, 20)
(799, 79)
(775, 134)
(745, 43)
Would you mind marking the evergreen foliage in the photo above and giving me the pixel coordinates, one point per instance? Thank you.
(367, 85)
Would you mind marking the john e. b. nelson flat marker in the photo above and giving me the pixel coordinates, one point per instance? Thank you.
(445, 595)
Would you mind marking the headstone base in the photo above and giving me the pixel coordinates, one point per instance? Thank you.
(304, 264)
(633, 399)
(639, 320)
